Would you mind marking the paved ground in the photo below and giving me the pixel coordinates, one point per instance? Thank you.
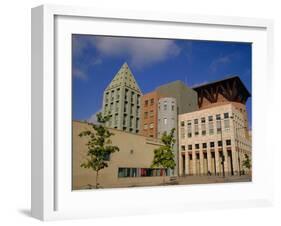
(212, 179)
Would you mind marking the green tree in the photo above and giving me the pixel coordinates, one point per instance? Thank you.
(164, 156)
(247, 162)
(99, 146)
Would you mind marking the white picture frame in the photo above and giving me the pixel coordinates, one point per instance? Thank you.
(52, 197)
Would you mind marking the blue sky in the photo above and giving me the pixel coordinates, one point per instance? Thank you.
(96, 60)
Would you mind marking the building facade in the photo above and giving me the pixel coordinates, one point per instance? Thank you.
(186, 97)
(167, 115)
(215, 139)
(129, 167)
(149, 114)
(167, 120)
(212, 141)
(121, 101)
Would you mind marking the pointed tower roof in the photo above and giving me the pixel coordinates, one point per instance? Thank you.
(124, 77)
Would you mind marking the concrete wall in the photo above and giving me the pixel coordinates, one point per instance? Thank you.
(135, 152)
(199, 161)
(186, 97)
(167, 120)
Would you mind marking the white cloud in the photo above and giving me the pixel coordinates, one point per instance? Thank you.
(79, 74)
(93, 117)
(140, 52)
(219, 62)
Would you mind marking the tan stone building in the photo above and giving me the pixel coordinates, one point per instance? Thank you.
(216, 137)
(208, 135)
(129, 167)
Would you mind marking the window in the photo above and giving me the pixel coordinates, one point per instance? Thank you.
(141, 172)
(195, 121)
(218, 126)
(125, 120)
(118, 94)
(151, 101)
(226, 115)
(151, 114)
(210, 118)
(145, 126)
(182, 123)
(226, 124)
(146, 103)
(126, 108)
(132, 97)
(218, 117)
(126, 94)
(211, 127)
(196, 129)
(145, 114)
(165, 121)
(151, 126)
(106, 156)
(183, 148)
(203, 128)
(165, 105)
(182, 133)
(202, 120)
(219, 143)
(189, 129)
(228, 142)
(190, 147)
(212, 144)
(196, 146)
(173, 107)
(204, 145)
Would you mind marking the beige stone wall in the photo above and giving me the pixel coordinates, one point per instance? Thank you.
(135, 152)
(200, 161)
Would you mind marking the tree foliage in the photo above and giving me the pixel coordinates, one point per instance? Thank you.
(164, 156)
(247, 162)
(99, 146)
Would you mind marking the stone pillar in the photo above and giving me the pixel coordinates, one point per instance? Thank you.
(180, 165)
(186, 163)
(201, 159)
(226, 167)
(234, 158)
(218, 163)
(209, 158)
(194, 162)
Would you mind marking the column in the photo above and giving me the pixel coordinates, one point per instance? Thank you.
(209, 157)
(224, 150)
(218, 162)
(194, 162)
(180, 164)
(186, 162)
(201, 159)
(234, 158)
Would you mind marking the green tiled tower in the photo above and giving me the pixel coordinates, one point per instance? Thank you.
(121, 101)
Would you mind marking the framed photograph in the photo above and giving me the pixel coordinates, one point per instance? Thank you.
(137, 112)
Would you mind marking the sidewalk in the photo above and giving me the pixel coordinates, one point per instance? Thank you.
(213, 179)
